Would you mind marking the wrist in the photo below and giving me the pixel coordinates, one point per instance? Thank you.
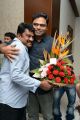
(41, 84)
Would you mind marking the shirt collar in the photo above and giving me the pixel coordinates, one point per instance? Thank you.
(42, 39)
(15, 39)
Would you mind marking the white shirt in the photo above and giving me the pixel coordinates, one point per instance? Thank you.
(15, 82)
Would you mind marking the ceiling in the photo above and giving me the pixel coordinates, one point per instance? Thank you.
(78, 5)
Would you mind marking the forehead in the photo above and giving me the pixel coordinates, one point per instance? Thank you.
(7, 37)
(40, 20)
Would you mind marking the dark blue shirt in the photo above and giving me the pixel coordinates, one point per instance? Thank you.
(36, 53)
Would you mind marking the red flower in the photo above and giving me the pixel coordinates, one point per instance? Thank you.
(72, 81)
(58, 79)
(50, 76)
(66, 80)
(58, 64)
(61, 67)
(68, 68)
(73, 76)
(62, 62)
(55, 72)
(68, 72)
(50, 67)
(61, 74)
(48, 72)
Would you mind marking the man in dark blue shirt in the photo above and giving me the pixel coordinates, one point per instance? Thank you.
(42, 41)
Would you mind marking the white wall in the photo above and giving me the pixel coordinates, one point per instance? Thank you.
(66, 16)
(11, 14)
(76, 47)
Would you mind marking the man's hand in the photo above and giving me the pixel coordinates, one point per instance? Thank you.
(45, 85)
(9, 51)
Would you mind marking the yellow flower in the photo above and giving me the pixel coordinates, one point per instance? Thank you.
(56, 50)
(61, 39)
(64, 53)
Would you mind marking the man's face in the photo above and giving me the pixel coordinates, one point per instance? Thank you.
(7, 39)
(27, 38)
(40, 26)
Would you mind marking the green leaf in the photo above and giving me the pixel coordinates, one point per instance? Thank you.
(36, 75)
(70, 64)
(35, 71)
(67, 60)
(46, 55)
(42, 62)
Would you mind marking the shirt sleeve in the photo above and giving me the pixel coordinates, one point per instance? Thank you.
(71, 58)
(18, 75)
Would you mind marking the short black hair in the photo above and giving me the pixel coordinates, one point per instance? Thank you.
(10, 34)
(41, 14)
(0, 41)
(22, 26)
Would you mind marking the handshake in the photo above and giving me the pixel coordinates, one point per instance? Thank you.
(46, 85)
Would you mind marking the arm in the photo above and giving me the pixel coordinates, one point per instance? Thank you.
(1, 46)
(19, 76)
(9, 51)
(78, 89)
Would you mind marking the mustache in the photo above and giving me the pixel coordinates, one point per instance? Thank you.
(39, 31)
(29, 41)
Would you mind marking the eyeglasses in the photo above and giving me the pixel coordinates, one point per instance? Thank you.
(41, 25)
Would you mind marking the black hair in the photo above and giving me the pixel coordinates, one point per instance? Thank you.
(0, 41)
(23, 26)
(41, 14)
(10, 34)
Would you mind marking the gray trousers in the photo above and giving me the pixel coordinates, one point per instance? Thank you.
(44, 102)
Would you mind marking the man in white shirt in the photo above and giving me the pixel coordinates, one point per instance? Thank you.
(15, 82)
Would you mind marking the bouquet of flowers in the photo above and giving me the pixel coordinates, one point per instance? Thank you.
(56, 66)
